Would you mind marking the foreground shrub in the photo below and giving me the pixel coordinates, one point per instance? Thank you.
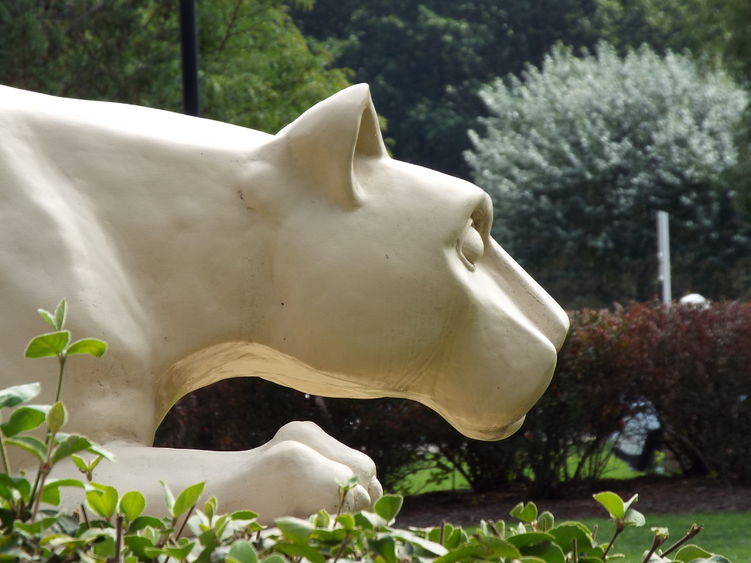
(123, 533)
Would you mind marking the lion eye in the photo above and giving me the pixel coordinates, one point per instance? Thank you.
(471, 246)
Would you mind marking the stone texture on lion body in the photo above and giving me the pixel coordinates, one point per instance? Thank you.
(201, 251)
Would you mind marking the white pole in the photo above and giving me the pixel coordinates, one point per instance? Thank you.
(663, 255)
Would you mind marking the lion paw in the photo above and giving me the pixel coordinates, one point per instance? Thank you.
(301, 471)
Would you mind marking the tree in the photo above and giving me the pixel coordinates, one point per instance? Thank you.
(426, 60)
(580, 154)
(697, 26)
(737, 56)
(256, 68)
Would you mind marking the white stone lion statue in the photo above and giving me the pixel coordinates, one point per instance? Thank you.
(201, 251)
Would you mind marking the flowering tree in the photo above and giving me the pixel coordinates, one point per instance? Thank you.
(580, 154)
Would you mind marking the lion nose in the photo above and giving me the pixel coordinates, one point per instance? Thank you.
(531, 299)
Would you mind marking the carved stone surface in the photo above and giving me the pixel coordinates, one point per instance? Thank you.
(201, 251)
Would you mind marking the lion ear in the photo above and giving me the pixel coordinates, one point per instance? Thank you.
(325, 141)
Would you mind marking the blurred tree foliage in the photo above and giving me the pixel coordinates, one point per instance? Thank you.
(256, 68)
(578, 157)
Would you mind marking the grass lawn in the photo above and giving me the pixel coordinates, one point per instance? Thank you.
(725, 533)
(422, 481)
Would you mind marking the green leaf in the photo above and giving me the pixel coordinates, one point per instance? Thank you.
(690, 552)
(525, 513)
(547, 551)
(51, 495)
(457, 537)
(566, 532)
(349, 484)
(546, 521)
(131, 505)
(12, 396)
(47, 345)
(153, 552)
(102, 499)
(79, 462)
(331, 536)
(70, 444)
(30, 444)
(104, 547)
(143, 521)
(427, 545)
(634, 518)
(100, 452)
(56, 417)
(346, 521)
(93, 447)
(91, 346)
(242, 551)
(490, 549)
(138, 545)
(612, 503)
(274, 559)
(169, 498)
(37, 527)
(186, 499)
(48, 318)
(294, 529)
(24, 419)
(386, 548)
(20, 484)
(7, 494)
(180, 553)
(388, 506)
(300, 550)
(530, 538)
(243, 514)
(60, 314)
(210, 507)
(368, 520)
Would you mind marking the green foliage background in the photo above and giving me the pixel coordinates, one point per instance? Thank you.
(256, 68)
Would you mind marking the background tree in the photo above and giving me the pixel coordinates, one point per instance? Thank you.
(737, 57)
(256, 68)
(426, 60)
(578, 157)
(696, 26)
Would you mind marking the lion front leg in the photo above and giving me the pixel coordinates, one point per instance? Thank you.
(297, 473)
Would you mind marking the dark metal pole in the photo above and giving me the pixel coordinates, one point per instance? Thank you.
(190, 57)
